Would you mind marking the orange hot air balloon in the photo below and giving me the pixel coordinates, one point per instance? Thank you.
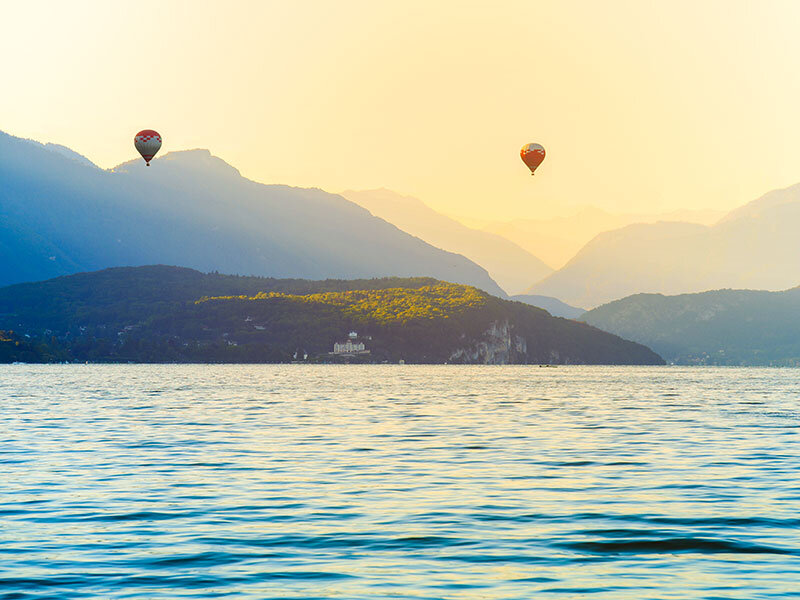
(532, 155)
(147, 142)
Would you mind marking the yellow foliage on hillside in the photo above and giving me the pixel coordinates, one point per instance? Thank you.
(392, 305)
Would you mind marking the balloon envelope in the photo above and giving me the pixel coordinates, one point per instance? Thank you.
(532, 155)
(147, 142)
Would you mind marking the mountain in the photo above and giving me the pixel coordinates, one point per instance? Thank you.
(754, 247)
(60, 215)
(69, 153)
(509, 265)
(554, 306)
(722, 327)
(166, 314)
(556, 240)
(767, 205)
(626, 261)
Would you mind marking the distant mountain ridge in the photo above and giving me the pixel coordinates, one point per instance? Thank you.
(509, 265)
(69, 153)
(754, 247)
(721, 327)
(60, 214)
(554, 306)
(556, 240)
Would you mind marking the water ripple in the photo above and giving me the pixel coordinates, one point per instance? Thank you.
(446, 483)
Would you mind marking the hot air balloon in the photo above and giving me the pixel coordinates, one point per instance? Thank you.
(147, 142)
(532, 155)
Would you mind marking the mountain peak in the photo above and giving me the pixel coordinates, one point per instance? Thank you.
(8, 141)
(199, 159)
(769, 201)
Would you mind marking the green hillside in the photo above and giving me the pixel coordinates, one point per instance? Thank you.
(15, 348)
(166, 314)
(722, 327)
(123, 295)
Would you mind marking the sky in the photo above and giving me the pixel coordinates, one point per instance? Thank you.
(642, 106)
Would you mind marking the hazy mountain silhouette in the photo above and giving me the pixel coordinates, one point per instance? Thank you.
(69, 153)
(756, 246)
(61, 215)
(722, 327)
(508, 264)
(554, 306)
(556, 240)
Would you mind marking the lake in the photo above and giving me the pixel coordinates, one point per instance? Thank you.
(399, 481)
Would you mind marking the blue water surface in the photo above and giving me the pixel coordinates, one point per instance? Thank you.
(423, 482)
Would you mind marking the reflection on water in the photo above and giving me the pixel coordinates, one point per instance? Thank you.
(356, 482)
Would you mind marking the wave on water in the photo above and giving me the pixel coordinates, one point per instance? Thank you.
(144, 482)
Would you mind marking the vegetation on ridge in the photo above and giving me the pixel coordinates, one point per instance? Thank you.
(390, 305)
(721, 327)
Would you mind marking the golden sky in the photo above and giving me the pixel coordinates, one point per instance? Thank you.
(641, 105)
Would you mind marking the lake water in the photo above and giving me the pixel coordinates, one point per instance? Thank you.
(446, 482)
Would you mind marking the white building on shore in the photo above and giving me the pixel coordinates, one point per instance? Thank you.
(350, 346)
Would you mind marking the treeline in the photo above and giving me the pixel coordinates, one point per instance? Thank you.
(15, 348)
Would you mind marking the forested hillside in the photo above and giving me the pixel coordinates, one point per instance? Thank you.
(722, 327)
(165, 314)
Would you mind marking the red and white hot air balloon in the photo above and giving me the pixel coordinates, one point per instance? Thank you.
(532, 155)
(147, 142)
